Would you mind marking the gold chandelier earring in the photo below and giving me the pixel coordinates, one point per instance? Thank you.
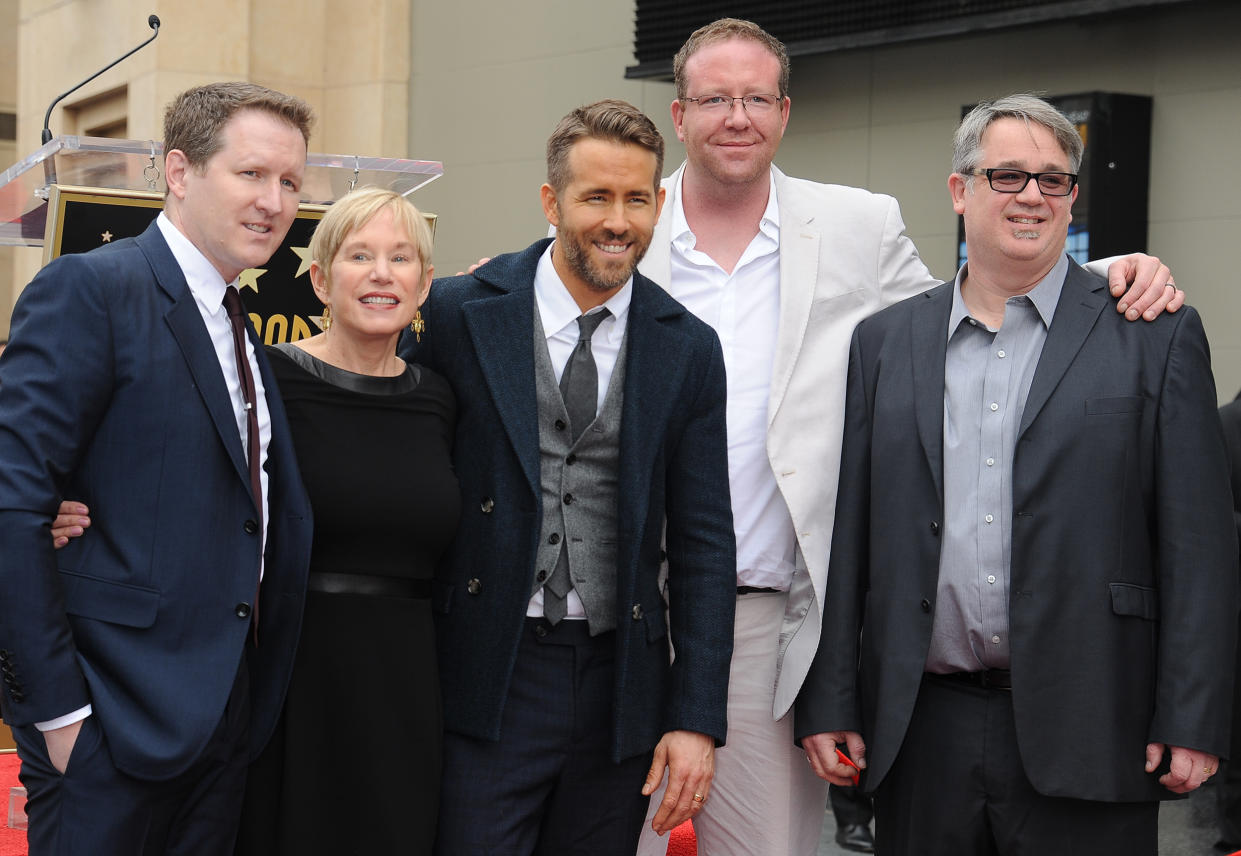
(418, 325)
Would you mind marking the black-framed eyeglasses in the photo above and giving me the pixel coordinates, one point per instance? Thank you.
(1008, 180)
(749, 103)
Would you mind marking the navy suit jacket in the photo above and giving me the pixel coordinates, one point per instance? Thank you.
(673, 469)
(111, 392)
(1123, 584)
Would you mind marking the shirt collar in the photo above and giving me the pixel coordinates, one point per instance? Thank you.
(1045, 295)
(204, 280)
(683, 238)
(558, 309)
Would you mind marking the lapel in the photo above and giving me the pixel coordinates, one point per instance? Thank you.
(800, 240)
(928, 335)
(186, 324)
(501, 328)
(1081, 302)
(651, 392)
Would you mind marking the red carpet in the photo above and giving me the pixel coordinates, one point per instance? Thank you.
(12, 841)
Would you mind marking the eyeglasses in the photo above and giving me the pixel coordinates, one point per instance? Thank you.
(1008, 180)
(723, 103)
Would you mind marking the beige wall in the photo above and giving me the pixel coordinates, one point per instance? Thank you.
(8, 149)
(489, 82)
(348, 58)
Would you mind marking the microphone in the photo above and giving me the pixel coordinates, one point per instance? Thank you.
(152, 22)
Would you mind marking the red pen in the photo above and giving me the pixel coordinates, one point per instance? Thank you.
(845, 759)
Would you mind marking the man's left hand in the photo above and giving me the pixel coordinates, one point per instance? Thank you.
(1189, 767)
(1150, 287)
(690, 760)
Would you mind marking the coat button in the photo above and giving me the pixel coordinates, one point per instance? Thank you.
(560, 424)
(242, 610)
(486, 505)
(935, 528)
(250, 526)
(568, 499)
(926, 605)
(554, 538)
(571, 460)
(474, 586)
(540, 576)
(637, 612)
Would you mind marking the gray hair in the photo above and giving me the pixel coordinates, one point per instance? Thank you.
(967, 141)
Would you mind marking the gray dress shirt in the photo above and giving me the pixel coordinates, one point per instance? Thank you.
(987, 375)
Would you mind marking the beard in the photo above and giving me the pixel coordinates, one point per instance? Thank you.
(606, 276)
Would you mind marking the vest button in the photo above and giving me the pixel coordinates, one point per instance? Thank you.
(541, 575)
(474, 586)
(568, 499)
(560, 424)
(486, 505)
(242, 610)
(540, 631)
(637, 612)
(935, 528)
(250, 527)
(554, 538)
(571, 460)
(926, 605)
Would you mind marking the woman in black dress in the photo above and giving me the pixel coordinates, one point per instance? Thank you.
(354, 765)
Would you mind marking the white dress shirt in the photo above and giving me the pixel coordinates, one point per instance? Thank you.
(559, 313)
(744, 309)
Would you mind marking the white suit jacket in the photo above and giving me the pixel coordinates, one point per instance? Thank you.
(843, 256)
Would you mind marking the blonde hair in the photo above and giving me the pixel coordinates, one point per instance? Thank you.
(357, 208)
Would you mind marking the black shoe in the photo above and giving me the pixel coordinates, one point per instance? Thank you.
(856, 836)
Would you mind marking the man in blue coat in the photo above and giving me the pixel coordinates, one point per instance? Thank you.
(590, 448)
(133, 382)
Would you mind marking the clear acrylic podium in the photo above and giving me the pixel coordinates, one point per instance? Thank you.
(77, 193)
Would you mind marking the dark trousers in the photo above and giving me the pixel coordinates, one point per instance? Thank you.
(95, 808)
(549, 785)
(850, 807)
(958, 788)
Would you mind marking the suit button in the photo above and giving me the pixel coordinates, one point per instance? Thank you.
(242, 610)
(474, 586)
(250, 526)
(554, 538)
(568, 499)
(541, 575)
(17, 695)
(560, 424)
(486, 505)
(571, 460)
(926, 605)
(540, 631)
(935, 528)
(637, 612)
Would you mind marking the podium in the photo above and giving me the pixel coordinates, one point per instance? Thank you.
(76, 193)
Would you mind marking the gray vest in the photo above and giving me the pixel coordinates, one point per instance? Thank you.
(579, 488)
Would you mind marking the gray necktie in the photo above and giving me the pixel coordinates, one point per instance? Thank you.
(579, 387)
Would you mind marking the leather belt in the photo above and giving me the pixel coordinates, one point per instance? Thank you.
(988, 679)
(756, 590)
(368, 584)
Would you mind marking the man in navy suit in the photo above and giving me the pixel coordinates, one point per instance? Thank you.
(553, 630)
(130, 672)
(1031, 603)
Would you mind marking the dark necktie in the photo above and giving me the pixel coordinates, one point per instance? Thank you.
(237, 317)
(579, 387)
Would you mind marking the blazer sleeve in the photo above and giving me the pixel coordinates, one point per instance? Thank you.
(829, 699)
(702, 559)
(55, 383)
(900, 271)
(1197, 553)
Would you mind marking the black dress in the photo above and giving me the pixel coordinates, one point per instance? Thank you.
(354, 765)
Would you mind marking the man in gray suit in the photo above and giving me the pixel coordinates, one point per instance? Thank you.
(1031, 602)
